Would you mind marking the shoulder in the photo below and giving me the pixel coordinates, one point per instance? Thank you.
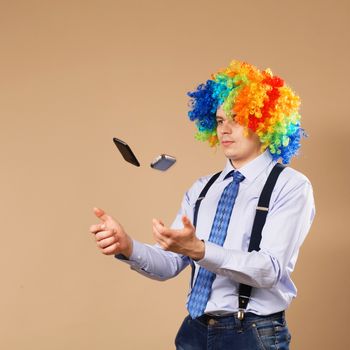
(292, 182)
(292, 177)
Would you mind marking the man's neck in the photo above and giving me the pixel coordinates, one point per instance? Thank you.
(239, 163)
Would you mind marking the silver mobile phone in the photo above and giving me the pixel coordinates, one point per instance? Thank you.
(163, 162)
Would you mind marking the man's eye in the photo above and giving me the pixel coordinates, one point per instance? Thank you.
(219, 122)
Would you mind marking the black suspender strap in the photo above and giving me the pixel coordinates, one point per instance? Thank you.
(196, 209)
(259, 222)
(202, 195)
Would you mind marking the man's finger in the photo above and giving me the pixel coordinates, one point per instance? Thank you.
(103, 234)
(158, 225)
(159, 237)
(101, 214)
(156, 232)
(162, 230)
(97, 228)
(187, 223)
(104, 243)
(112, 249)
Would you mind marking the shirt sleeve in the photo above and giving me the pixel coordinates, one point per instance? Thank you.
(151, 260)
(286, 226)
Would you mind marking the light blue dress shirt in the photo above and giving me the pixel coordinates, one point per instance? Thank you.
(290, 216)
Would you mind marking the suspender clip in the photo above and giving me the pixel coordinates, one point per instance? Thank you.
(240, 314)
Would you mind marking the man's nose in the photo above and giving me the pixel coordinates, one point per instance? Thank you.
(226, 128)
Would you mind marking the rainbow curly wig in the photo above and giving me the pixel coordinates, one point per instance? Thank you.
(257, 100)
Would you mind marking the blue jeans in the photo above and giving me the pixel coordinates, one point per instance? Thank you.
(253, 333)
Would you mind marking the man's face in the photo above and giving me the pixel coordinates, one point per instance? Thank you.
(237, 147)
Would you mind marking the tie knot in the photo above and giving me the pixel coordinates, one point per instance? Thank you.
(237, 176)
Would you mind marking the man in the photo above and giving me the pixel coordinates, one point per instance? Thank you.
(254, 116)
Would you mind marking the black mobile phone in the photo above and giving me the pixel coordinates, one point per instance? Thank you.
(126, 151)
(163, 162)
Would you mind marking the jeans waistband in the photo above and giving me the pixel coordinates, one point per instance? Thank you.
(209, 319)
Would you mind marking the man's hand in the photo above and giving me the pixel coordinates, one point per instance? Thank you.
(110, 235)
(183, 241)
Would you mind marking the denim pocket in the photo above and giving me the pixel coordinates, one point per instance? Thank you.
(272, 334)
(283, 336)
(265, 334)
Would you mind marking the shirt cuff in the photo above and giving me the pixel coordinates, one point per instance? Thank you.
(135, 257)
(213, 256)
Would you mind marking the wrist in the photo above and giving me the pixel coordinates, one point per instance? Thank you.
(128, 251)
(198, 251)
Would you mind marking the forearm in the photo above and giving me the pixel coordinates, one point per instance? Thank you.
(153, 262)
(257, 269)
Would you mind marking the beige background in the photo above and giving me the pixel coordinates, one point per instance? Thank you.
(74, 74)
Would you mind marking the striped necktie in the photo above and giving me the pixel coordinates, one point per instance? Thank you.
(201, 291)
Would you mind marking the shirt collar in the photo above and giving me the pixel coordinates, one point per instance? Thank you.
(251, 169)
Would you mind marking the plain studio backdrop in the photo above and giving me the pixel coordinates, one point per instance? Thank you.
(75, 74)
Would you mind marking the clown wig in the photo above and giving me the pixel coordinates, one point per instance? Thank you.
(257, 100)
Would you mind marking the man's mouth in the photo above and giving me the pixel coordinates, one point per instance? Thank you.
(227, 143)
